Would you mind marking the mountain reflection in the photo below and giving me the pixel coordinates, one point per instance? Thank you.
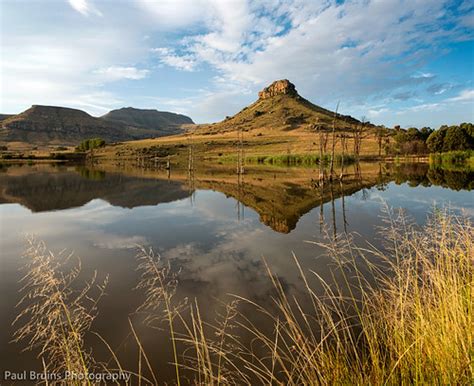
(280, 196)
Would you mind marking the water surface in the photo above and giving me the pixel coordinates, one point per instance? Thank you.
(215, 226)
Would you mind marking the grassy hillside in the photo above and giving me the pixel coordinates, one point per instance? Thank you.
(280, 122)
(280, 112)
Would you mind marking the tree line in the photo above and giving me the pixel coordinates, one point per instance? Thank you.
(427, 140)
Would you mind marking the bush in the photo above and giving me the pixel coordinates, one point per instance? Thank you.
(90, 144)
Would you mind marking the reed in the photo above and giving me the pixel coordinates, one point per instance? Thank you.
(54, 316)
(398, 316)
(453, 158)
(402, 314)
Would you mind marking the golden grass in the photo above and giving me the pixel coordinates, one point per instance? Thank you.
(55, 317)
(401, 315)
(211, 147)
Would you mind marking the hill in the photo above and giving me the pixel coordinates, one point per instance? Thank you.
(165, 122)
(51, 124)
(280, 122)
(62, 125)
(280, 107)
(5, 116)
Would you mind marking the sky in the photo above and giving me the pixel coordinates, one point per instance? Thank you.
(405, 62)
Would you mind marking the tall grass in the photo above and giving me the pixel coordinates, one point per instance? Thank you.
(453, 158)
(398, 315)
(55, 316)
(293, 159)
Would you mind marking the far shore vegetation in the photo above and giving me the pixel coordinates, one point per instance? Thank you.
(401, 315)
(315, 145)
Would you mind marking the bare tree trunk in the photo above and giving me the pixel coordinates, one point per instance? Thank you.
(321, 206)
(343, 145)
(331, 170)
(343, 207)
(333, 212)
(240, 157)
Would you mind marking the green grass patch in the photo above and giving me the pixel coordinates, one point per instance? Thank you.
(453, 158)
(291, 159)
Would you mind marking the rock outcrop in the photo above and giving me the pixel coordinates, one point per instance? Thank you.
(279, 87)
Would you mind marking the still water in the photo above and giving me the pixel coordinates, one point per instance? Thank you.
(213, 226)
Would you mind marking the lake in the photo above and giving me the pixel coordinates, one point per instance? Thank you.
(214, 227)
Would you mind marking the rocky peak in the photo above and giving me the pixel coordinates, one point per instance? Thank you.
(279, 87)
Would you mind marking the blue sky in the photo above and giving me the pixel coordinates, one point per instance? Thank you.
(407, 62)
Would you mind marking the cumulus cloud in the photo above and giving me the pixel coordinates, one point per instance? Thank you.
(351, 51)
(359, 52)
(169, 57)
(117, 72)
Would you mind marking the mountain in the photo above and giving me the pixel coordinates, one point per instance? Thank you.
(62, 125)
(5, 116)
(165, 122)
(279, 107)
(51, 124)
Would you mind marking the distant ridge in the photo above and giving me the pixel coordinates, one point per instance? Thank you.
(5, 116)
(280, 107)
(62, 125)
(164, 121)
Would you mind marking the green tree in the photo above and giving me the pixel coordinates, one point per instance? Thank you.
(456, 138)
(436, 139)
(89, 144)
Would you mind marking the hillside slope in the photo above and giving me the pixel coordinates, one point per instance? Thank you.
(52, 124)
(280, 107)
(62, 125)
(165, 122)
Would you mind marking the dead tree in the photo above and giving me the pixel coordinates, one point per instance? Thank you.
(331, 170)
(240, 156)
(190, 155)
(381, 135)
(344, 138)
(359, 135)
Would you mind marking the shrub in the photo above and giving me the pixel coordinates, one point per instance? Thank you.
(90, 144)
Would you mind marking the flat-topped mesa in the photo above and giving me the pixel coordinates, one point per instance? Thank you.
(279, 87)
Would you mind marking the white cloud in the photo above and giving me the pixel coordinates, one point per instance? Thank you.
(56, 64)
(169, 57)
(112, 241)
(426, 107)
(374, 113)
(330, 51)
(84, 7)
(113, 73)
(170, 14)
(359, 52)
(464, 96)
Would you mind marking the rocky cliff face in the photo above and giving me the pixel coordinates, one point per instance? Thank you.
(279, 87)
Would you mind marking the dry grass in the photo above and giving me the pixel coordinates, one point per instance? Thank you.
(401, 315)
(54, 316)
(256, 143)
